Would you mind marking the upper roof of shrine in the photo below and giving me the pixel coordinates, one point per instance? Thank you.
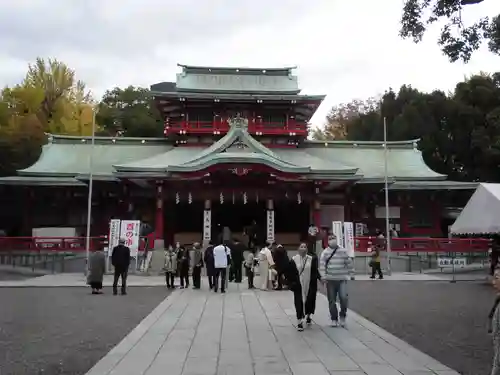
(231, 80)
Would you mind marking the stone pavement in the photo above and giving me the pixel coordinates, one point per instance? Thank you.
(198, 332)
(78, 280)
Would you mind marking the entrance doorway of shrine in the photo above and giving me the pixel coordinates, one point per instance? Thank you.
(237, 216)
(291, 221)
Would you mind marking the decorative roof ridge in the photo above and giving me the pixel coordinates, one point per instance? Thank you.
(216, 68)
(251, 94)
(77, 139)
(409, 144)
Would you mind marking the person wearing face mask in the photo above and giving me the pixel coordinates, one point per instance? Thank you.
(302, 277)
(335, 268)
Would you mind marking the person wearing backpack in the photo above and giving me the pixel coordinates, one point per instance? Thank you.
(336, 268)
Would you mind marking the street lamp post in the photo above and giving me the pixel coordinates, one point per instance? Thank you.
(89, 201)
(386, 190)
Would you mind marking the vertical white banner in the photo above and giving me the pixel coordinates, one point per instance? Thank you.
(114, 235)
(349, 238)
(360, 229)
(130, 230)
(207, 226)
(270, 226)
(337, 230)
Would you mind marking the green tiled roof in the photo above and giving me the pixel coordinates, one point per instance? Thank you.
(69, 157)
(405, 161)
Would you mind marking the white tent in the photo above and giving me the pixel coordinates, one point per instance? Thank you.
(481, 213)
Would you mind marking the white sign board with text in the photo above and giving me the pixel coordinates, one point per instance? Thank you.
(451, 262)
(349, 238)
(130, 231)
(270, 226)
(337, 230)
(114, 235)
(207, 226)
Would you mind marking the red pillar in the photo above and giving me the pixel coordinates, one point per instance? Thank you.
(159, 224)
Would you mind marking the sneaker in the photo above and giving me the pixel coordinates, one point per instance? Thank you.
(334, 323)
(372, 277)
(342, 322)
(308, 320)
(300, 327)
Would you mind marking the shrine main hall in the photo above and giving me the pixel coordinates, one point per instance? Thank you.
(235, 149)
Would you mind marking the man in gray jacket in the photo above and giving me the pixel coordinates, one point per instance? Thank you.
(335, 268)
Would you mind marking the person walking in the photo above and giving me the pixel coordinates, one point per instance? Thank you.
(170, 267)
(197, 265)
(266, 266)
(222, 257)
(494, 329)
(208, 258)
(250, 266)
(335, 268)
(183, 262)
(97, 269)
(312, 237)
(120, 259)
(375, 263)
(281, 260)
(302, 276)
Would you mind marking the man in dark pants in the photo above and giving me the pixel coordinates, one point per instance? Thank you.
(237, 251)
(208, 257)
(120, 259)
(197, 265)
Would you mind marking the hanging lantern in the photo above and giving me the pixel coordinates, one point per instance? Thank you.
(245, 198)
(257, 197)
(286, 194)
(221, 198)
(190, 198)
(177, 198)
(233, 197)
(299, 198)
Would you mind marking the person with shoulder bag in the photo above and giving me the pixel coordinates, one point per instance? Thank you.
(336, 268)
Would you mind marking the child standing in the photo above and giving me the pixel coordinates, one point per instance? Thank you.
(250, 265)
(170, 267)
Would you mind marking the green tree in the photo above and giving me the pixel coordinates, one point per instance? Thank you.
(130, 112)
(459, 133)
(457, 41)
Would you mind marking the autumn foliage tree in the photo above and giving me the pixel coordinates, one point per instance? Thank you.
(48, 100)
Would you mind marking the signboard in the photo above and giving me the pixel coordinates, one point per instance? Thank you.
(360, 229)
(207, 226)
(337, 230)
(114, 234)
(130, 230)
(270, 226)
(349, 238)
(451, 262)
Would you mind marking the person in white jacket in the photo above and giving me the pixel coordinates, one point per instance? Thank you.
(222, 257)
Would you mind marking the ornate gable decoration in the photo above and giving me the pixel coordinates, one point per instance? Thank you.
(238, 122)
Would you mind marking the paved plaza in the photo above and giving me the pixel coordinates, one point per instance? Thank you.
(252, 332)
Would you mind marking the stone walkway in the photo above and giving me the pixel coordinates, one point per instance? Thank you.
(252, 332)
